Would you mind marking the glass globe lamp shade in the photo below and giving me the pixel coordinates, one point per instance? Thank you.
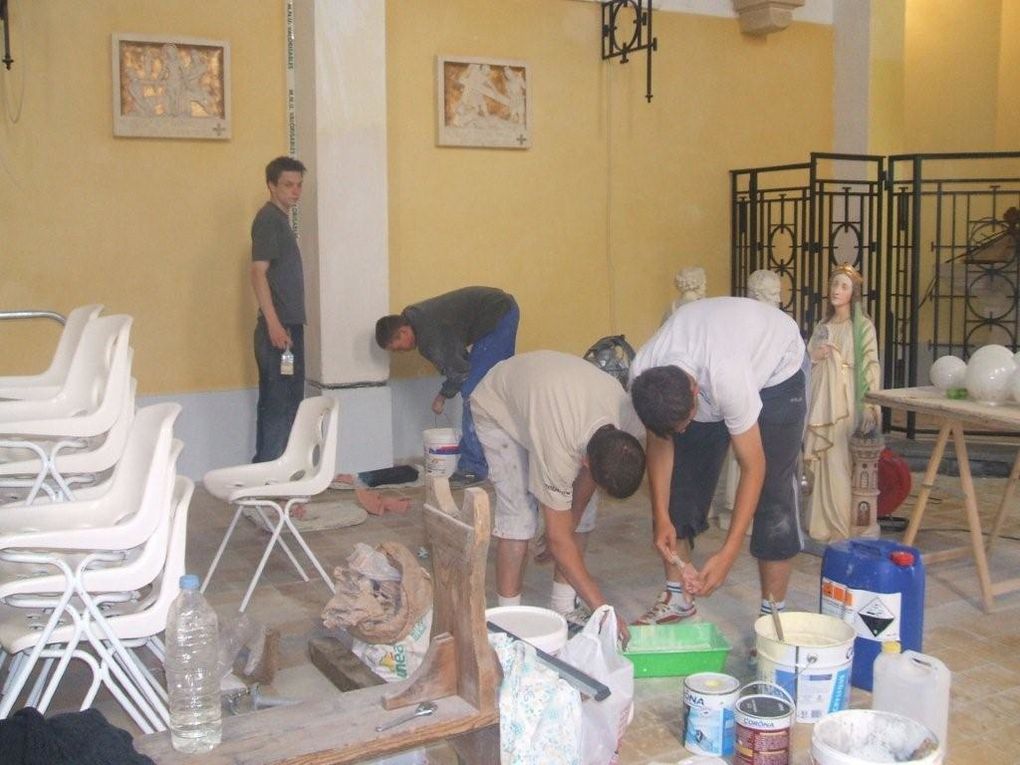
(948, 372)
(989, 373)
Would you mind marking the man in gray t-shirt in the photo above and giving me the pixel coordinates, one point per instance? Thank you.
(464, 333)
(278, 281)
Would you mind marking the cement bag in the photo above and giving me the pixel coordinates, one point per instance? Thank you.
(396, 661)
(593, 651)
(539, 713)
(381, 595)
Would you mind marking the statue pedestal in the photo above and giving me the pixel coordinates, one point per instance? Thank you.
(865, 451)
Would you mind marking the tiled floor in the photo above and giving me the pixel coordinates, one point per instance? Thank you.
(982, 650)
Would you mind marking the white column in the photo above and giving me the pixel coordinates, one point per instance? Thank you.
(850, 107)
(340, 107)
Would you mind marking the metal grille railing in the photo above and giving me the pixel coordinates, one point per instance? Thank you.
(930, 234)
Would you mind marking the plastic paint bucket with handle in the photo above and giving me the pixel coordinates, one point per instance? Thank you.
(442, 450)
(812, 663)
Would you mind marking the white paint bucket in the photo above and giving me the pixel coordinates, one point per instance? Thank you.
(866, 736)
(442, 450)
(708, 713)
(763, 716)
(543, 628)
(812, 663)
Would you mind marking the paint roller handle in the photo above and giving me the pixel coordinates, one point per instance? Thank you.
(575, 677)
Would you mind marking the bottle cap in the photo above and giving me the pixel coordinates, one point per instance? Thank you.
(902, 558)
(189, 582)
(891, 646)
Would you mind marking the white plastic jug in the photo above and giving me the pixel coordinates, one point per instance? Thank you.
(914, 685)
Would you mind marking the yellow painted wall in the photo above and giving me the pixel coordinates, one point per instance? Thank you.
(723, 101)
(589, 225)
(951, 86)
(886, 78)
(155, 228)
(1007, 134)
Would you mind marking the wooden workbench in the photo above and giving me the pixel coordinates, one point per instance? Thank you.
(952, 415)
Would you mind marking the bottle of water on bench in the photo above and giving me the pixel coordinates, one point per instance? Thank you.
(192, 654)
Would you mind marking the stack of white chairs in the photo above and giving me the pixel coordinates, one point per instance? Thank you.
(80, 429)
(87, 573)
(48, 383)
(63, 561)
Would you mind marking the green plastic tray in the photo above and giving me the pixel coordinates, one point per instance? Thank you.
(668, 650)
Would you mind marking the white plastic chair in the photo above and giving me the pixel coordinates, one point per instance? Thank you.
(77, 467)
(304, 470)
(47, 384)
(87, 405)
(109, 624)
(121, 519)
(20, 578)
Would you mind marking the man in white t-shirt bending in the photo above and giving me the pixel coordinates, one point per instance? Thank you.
(554, 428)
(722, 371)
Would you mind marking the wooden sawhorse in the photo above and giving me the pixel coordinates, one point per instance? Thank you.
(952, 414)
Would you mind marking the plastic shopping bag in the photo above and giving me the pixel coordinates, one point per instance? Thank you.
(396, 661)
(539, 713)
(593, 651)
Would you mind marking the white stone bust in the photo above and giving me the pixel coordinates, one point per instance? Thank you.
(690, 283)
(765, 285)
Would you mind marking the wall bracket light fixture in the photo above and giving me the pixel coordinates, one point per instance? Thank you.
(6, 19)
(618, 16)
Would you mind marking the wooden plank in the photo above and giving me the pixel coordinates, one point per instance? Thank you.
(341, 667)
(332, 731)
(929, 400)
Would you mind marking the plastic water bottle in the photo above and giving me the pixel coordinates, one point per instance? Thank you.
(192, 653)
(914, 685)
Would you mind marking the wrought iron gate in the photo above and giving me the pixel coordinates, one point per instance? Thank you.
(800, 220)
(935, 236)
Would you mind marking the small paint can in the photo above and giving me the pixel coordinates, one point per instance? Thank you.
(763, 716)
(708, 713)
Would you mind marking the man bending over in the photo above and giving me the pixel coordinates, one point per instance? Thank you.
(721, 371)
(463, 333)
(554, 429)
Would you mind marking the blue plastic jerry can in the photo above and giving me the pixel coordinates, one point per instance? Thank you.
(877, 587)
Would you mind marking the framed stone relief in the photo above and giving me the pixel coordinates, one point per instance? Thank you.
(171, 87)
(483, 102)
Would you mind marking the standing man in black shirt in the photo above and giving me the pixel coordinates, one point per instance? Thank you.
(278, 281)
(464, 334)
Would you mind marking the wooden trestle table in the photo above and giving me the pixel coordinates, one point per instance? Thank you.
(952, 415)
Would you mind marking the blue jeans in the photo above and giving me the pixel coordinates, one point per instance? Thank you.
(279, 395)
(486, 352)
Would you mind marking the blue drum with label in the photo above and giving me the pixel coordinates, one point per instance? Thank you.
(877, 587)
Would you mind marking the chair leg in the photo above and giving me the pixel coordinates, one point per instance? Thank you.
(37, 687)
(261, 566)
(65, 658)
(223, 546)
(113, 671)
(311, 556)
(127, 671)
(18, 680)
(100, 671)
(283, 542)
(12, 671)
